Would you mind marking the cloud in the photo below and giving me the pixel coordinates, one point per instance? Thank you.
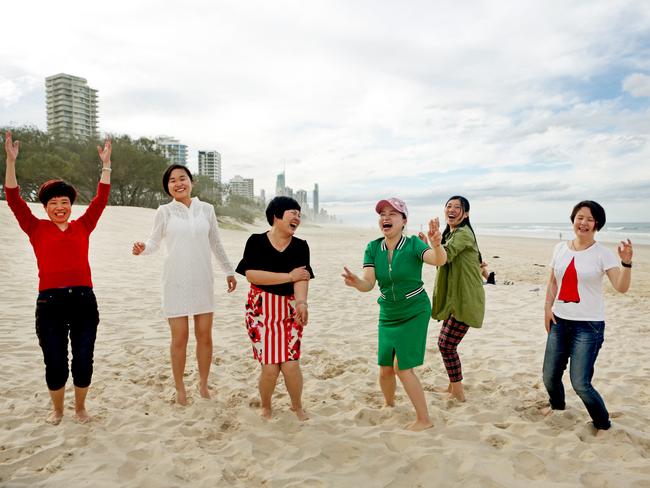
(505, 101)
(637, 85)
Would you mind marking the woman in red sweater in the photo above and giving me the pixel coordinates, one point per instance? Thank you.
(66, 303)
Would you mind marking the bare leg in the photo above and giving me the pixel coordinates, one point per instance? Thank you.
(388, 384)
(56, 414)
(268, 379)
(80, 405)
(414, 390)
(178, 350)
(293, 379)
(203, 333)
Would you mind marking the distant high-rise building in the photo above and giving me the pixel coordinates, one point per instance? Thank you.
(301, 198)
(243, 187)
(210, 165)
(263, 196)
(173, 150)
(316, 207)
(288, 191)
(71, 107)
(280, 188)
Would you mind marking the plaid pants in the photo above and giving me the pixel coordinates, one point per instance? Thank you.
(451, 333)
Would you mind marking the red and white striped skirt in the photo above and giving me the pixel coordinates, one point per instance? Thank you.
(272, 327)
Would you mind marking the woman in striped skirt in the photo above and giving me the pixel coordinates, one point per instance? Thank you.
(277, 266)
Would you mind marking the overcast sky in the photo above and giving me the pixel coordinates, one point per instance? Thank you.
(523, 107)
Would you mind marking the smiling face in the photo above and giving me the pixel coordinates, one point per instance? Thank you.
(289, 222)
(391, 222)
(58, 209)
(584, 224)
(454, 213)
(179, 185)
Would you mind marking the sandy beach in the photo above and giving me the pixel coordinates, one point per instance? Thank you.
(140, 438)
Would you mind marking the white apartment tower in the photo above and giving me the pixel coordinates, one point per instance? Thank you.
(210, 165)
(173, 150)
(242, 187)
(71, 107)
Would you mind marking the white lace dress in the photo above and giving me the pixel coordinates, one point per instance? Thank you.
(190, 235)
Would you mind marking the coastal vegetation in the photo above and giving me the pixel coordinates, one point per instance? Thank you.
(135, 180)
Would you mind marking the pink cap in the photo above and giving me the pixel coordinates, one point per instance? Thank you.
(396, 203)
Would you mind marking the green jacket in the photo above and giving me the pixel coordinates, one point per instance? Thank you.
(458, 289)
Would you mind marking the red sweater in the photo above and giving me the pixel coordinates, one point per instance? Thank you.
(61, 256)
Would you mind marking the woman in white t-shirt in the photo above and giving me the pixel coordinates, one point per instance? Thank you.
(574, 313)
(189, 229)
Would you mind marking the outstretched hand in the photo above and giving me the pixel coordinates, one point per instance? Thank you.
(105, 153)
(11, 147)
(435, 237)
(625, 251)
(138, 248)
(349, 278)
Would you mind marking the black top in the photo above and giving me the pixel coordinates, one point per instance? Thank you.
(259, 254)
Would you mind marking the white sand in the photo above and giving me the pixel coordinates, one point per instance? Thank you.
(139, 438)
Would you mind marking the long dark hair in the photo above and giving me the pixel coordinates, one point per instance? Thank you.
(464, 203)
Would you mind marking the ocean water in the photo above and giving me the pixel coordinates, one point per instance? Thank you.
(637, 232)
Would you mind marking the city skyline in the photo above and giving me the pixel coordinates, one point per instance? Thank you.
(523, 109)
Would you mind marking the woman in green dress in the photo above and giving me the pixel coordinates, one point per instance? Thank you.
(458, 295)
(395, 262)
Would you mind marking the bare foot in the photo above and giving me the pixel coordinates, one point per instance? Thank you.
(546, 411)
(459, 397)
(81, 416)
(265, 413)
(181, 397)
(601, 433)
(389, 404)
(419, 425)
(456, 392)
(204, 391)
(300, 413)
(54, 417)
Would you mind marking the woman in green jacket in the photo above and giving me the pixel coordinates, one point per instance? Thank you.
(458, 295)
(395, 261)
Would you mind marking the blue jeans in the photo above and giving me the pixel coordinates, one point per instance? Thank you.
(579, 341)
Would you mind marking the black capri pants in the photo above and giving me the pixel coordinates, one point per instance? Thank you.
(61, 312)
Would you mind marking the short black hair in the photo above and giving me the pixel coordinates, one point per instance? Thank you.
(168, 172)
(56, 188)
(278, 206)
(597, 211)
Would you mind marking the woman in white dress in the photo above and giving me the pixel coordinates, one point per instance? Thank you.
(190, 231)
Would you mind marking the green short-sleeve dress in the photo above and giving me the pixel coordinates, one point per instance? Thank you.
(404, 307)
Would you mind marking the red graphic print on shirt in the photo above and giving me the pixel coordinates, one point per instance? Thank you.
(569, 289)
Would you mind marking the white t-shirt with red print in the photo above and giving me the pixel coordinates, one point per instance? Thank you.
(579, 276)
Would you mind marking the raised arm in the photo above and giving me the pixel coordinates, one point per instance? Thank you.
(105, 157)
(20, 209)
(437, 255)
(620, 278)
(11, 148)
(97, 205)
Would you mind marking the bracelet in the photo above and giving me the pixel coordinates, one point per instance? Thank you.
(626, 265)
(107, 169)
(302, 302)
